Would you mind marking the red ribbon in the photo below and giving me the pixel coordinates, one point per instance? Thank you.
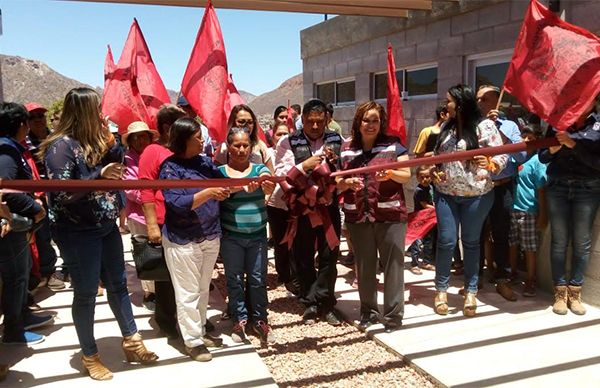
(310, 198)
(72, 185)
(455, 156)
(325, 185)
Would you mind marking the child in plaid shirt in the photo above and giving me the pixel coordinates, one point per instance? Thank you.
(528, 214)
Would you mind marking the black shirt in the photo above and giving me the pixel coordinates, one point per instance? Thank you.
(581, 161)
(422, 194)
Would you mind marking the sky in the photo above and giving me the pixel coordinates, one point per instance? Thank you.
(263, 48)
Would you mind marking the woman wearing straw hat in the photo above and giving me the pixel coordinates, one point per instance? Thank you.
(138, 137)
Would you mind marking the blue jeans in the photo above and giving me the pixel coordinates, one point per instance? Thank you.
(245, 263)
(572, 207)
(423, 249)
(91, 254)
(15, 265)
(470, 214)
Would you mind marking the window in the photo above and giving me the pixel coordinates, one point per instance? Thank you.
(491, 69)
(338, 92)
(421, 82)
(326, 92)
(490, 74)
(344, 92)
(380, 86)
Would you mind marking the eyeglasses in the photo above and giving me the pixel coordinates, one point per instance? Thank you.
(243, 123)
(37, 116)
(374, 122)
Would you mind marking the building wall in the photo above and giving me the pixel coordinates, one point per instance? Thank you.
(451, 35)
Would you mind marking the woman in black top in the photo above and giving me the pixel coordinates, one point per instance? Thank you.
(15, 257)
(573, 195)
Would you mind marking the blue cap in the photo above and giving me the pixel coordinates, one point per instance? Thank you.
(182, 101)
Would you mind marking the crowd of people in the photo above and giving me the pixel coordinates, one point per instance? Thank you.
(494, 206)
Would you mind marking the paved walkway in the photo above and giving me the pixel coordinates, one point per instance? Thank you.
(57, 361)
(509, 343)
(516, 344)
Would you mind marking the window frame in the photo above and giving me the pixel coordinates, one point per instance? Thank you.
(423, 66)
(402, 83)
(335, 87)
(379, 100)
(484, 59)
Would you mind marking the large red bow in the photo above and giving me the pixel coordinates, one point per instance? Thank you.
(310, 196)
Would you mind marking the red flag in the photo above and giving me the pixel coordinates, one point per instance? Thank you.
(121, 100)
(555, 68)
(144, 73)
(234, 98)
(396, 125)
(205, 82)
(109, 67)
(290, 120)
(419, 224)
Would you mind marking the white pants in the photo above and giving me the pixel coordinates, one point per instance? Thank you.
(136, 227)
(191, 267)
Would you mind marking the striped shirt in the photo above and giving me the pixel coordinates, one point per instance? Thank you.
(244, 215)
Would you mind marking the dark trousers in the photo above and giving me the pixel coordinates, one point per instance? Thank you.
(43, 242)
(15, 264)
(166, 309)
(284, 263)
(316, 286)
(387, 239)
(499, 217)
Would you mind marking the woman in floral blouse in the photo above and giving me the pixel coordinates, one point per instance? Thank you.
(463, 192)
(84, 224)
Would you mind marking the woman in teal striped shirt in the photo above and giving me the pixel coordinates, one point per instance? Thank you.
(244, 241)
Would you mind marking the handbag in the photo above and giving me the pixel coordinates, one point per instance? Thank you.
(149, 259)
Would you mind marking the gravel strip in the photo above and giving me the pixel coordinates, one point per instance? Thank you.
(322, 355)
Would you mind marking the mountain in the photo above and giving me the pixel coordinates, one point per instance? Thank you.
(24, 80)
(290, 89)
(248, 97)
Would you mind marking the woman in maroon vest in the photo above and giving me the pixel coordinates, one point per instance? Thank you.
(376, 214)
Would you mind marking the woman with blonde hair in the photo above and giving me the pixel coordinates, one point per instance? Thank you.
(84, 224)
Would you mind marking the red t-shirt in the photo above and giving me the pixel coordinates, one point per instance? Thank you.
(150, 162)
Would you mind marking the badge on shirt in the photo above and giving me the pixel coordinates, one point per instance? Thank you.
(596, 126)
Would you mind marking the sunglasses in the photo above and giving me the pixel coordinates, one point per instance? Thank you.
(243, 123)
(37, 116)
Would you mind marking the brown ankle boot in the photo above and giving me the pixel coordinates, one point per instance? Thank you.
(440, 303)
(95, 368)
(560, 300)
(135, 351)
(574, 300)
(470, 306)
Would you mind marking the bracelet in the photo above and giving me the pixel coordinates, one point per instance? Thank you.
(4, 222)
(492, 166)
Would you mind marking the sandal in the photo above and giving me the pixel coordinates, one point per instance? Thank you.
(135, 351)
(428, 267)
(440, 303)
(95, 368)
(470, 306)
(416, 270)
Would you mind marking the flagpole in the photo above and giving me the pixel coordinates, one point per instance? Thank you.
(500, 99)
